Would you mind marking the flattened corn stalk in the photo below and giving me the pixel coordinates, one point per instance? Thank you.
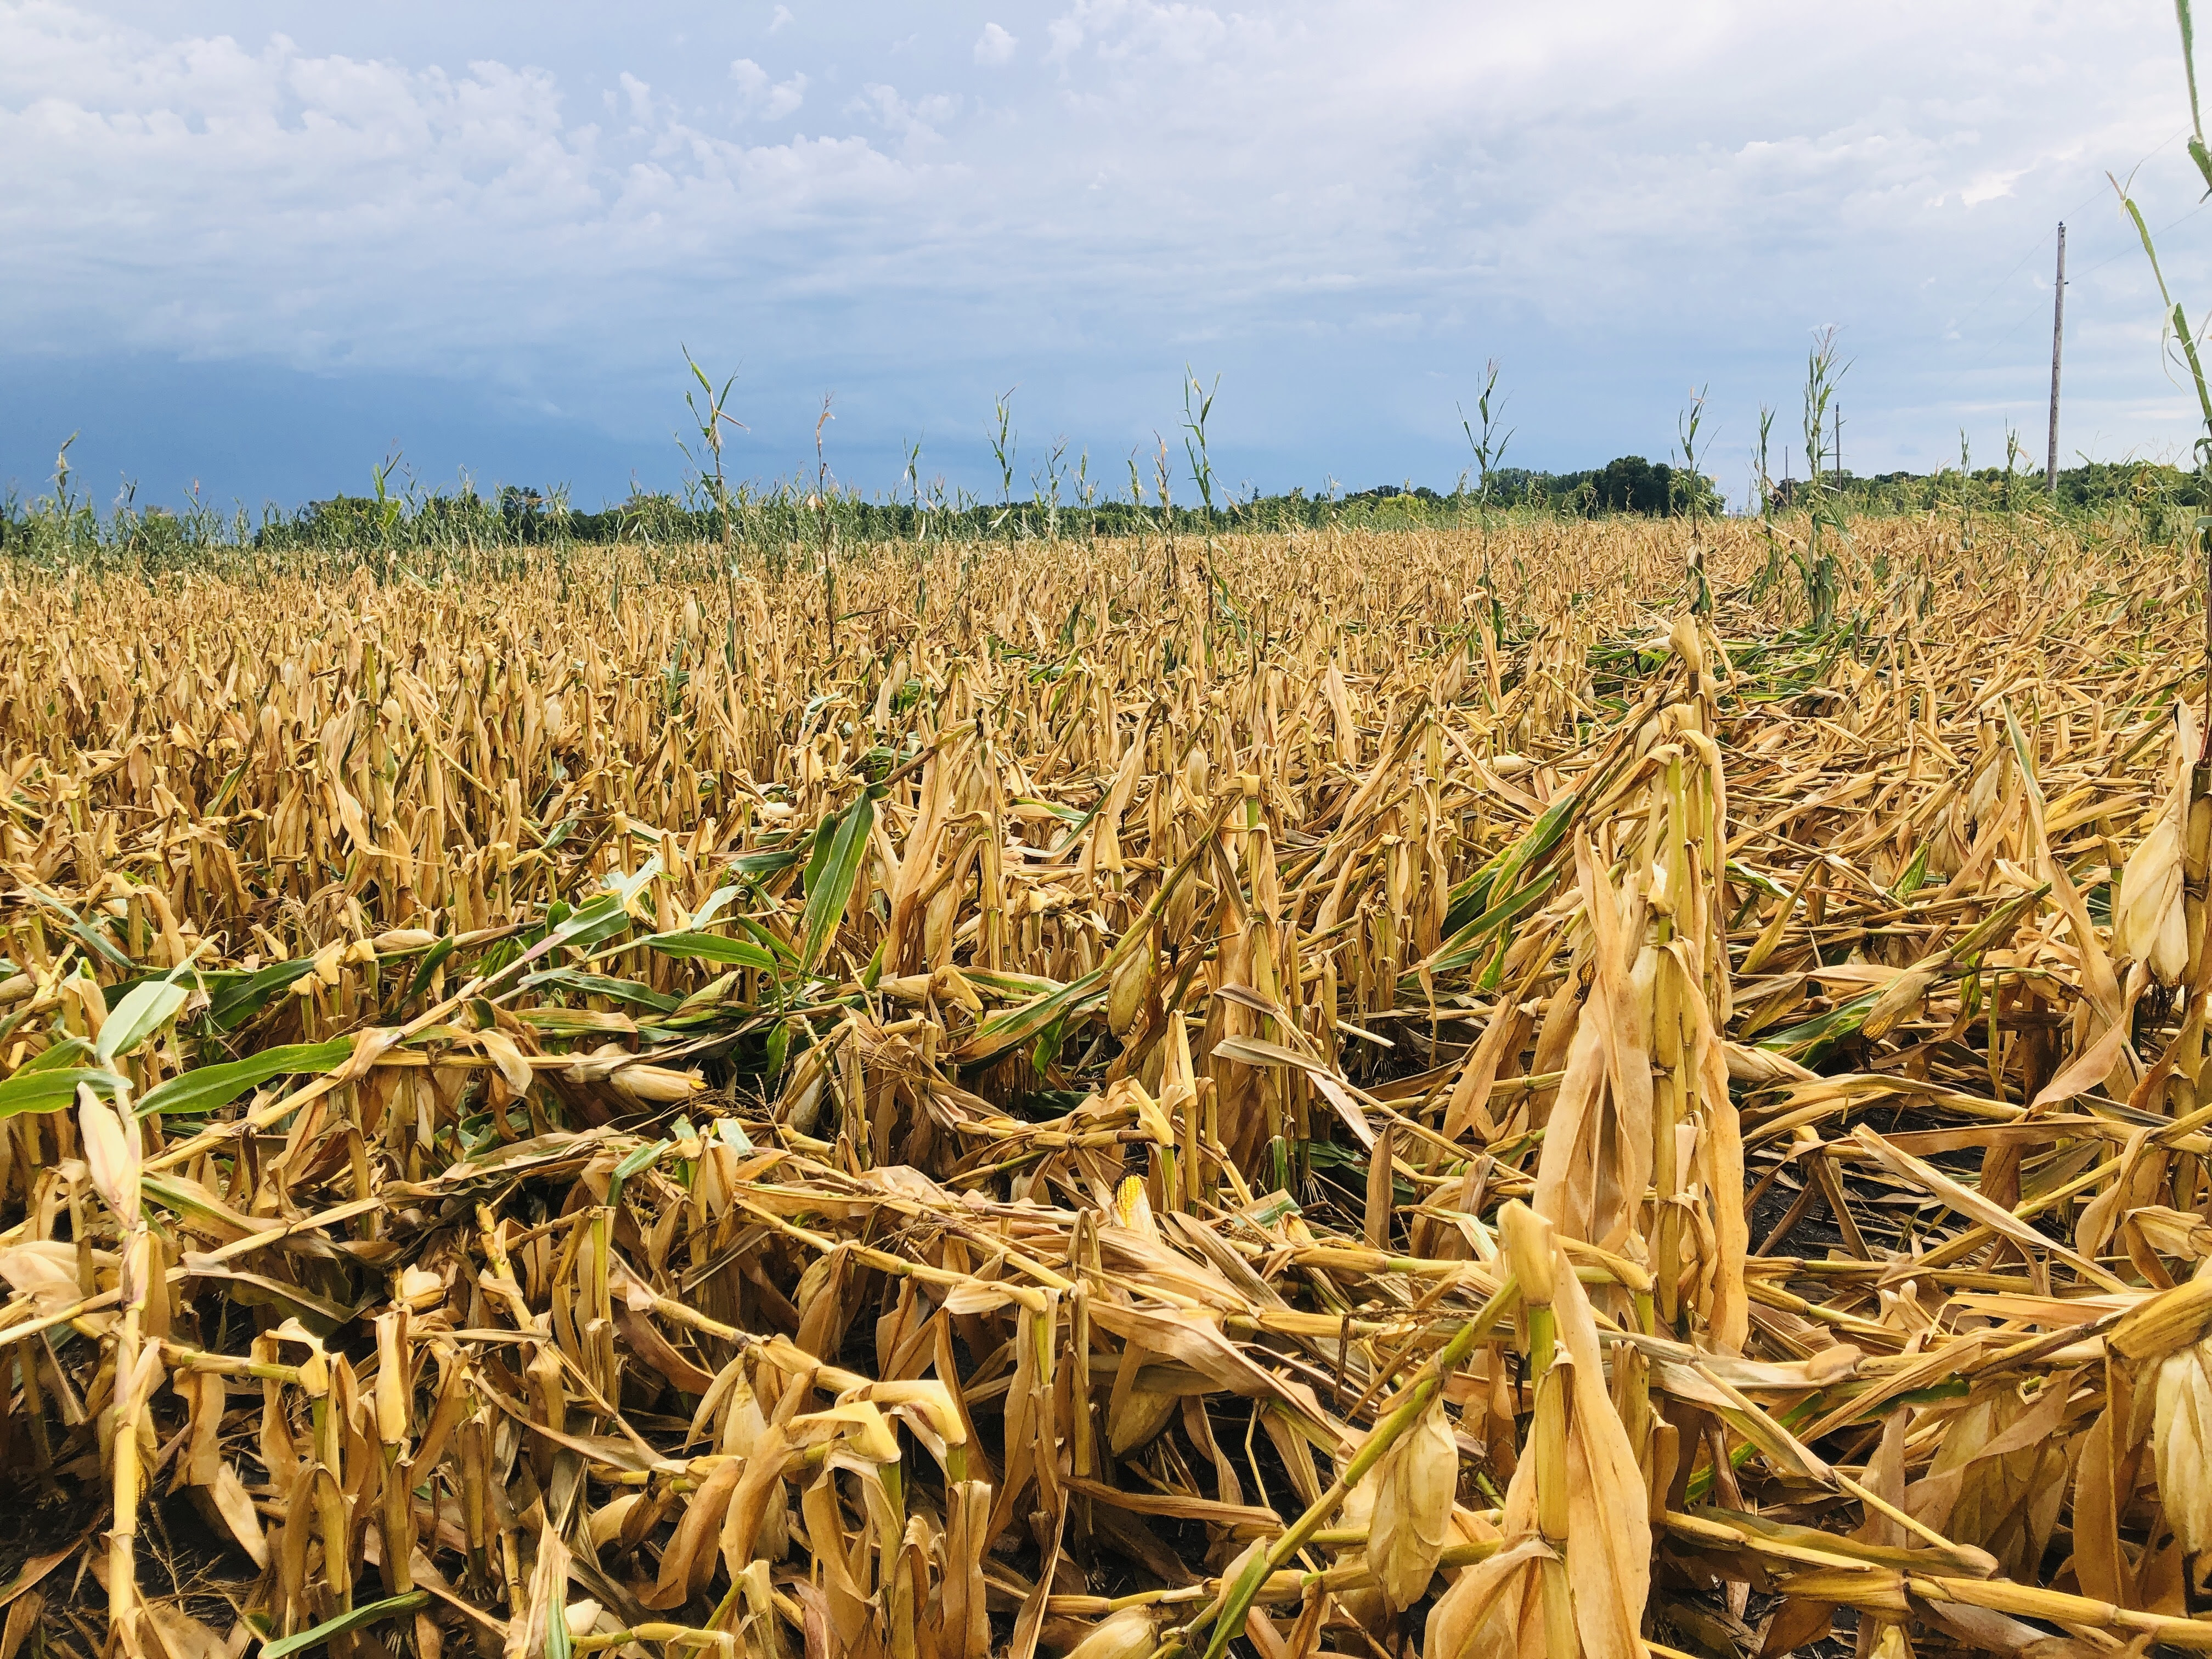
(508, 1036)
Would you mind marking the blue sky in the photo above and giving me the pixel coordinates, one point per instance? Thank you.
(259, 246)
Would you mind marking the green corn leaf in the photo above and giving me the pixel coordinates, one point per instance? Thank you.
(1815, 1034)
(714, 906)
(818, 857)
(1461, 950)
(1470, 897)
(51, 1091)
(826, 895)
(642, 1158)
(359, 1619)
(428, 968)
(239, 1000)
(204, 1088)
(599, 985)
(779, 948)
(594, 923)
(67, 1052)
(712, 947)
(90, 934)
(1005, 1030)
(145, 1008)
(1913, 877)
(759, 867)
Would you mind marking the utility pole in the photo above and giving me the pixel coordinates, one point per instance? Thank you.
(2057, 339)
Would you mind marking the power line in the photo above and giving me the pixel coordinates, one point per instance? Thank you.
(2043, 240)
(2036, 310)
(2155, 235)
(2034, 248)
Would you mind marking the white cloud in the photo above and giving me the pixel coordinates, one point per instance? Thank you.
(1611, 197)
(760, 98)
(1065, 34)
(918, 121)
(333, 211)
(1989, 185)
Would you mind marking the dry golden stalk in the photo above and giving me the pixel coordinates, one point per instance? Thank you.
(672, 1051)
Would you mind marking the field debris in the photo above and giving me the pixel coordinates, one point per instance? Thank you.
(1164, 1097)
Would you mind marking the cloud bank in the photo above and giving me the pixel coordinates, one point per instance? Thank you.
(1342, 208)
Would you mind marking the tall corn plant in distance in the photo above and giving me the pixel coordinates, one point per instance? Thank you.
(1764, 484)
(388, 506)
(1817, 566)
(1701, 595)
(710, 422)
(1044, 491)
(1965, 492)
(1489, 448)
(821, 505)
(1002, 450)
(1164, 519)
(2177, 320)
(1197, 407)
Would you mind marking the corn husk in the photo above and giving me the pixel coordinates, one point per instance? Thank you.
(1128, 1634)
(1411, 1521)
(2181, 1439)
(2148, 923)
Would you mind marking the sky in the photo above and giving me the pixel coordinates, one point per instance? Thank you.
(256, 248)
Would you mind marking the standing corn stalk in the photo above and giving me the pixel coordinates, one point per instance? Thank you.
(710, 420)
(1572, 1574)
(1818, 566)
(1701, 592)
(112, 1156)
(1489, 448)
(2180, 337)
(1644, 1100)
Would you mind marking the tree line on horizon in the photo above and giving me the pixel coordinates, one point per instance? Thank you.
(790, 511)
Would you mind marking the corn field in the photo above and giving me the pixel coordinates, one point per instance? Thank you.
(1394, 1094)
